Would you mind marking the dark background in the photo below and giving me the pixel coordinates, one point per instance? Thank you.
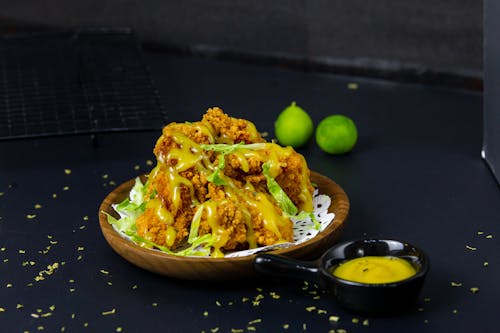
(400, 38)
(416, 173)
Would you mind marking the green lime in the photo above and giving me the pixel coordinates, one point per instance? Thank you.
(336, 134)
(293, 127)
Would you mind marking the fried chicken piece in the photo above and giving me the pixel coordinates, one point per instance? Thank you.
(175, 135)
(294, 179)
(230, 130)
(238, 211)
(158, 225)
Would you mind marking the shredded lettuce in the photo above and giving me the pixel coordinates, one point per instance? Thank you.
(215, 177)
(129, 209)
(141, 241)
(225, 149)
(195, 225)
(137, 192)
(284, 201)
(228, 149)
(201, 246)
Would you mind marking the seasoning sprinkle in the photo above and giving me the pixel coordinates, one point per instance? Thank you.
(456, 284)
(49, 271)
(474, 290)
(471, 248)
(352, 86)
(334, 318)
(110, 312)
(274, 295)
(67, 171)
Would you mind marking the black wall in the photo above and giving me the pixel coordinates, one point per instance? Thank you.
(444, 35)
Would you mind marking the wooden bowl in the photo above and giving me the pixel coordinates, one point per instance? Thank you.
(205, 268)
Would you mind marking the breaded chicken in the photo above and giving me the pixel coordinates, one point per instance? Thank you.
(209, 177)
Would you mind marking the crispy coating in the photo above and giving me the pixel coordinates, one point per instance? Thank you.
(294, 170)
(236, 208)
(231, 130)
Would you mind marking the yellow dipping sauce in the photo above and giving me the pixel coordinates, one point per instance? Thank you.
(374, 269)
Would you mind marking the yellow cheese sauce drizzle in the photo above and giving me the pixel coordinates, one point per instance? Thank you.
(374, 269)
(189, 155)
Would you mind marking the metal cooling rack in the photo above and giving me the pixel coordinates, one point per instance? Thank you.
(82, 81)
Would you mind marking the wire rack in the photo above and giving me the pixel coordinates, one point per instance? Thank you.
(80, 81)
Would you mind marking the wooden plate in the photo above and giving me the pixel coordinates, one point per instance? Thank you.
(203, 268)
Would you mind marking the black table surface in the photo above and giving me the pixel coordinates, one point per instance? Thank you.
(416, 174)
